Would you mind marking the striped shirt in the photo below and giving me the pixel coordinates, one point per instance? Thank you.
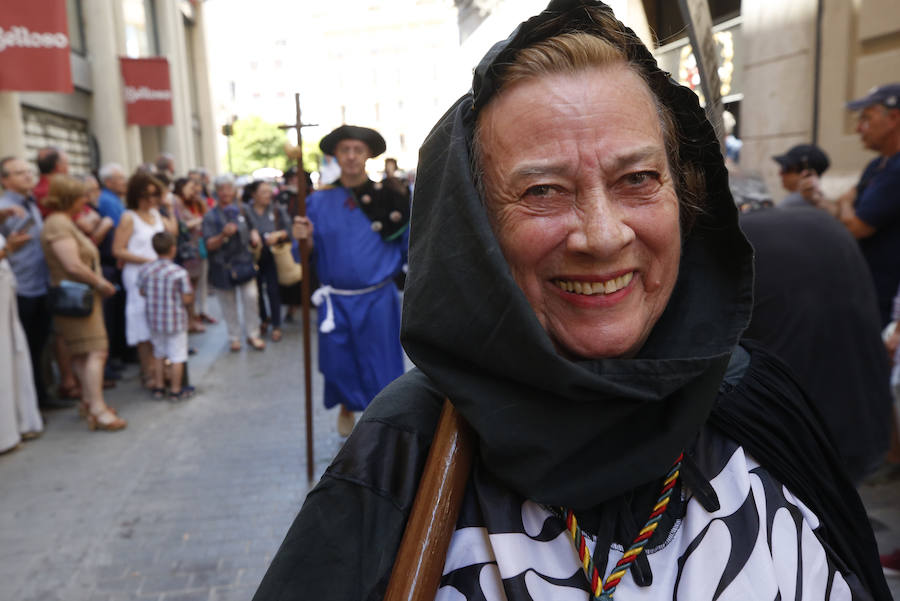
(163, 283)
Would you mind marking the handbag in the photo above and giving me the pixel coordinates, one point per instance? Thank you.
(71, 299)
(289, 271)
(241, 271)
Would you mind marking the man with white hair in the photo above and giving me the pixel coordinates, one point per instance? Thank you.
(114, 183)
(870, 210)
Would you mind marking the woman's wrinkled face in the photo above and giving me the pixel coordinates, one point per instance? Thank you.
(582, 202)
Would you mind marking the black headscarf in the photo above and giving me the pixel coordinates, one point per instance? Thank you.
(560, 431)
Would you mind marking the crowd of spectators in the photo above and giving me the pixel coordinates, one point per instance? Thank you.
(140, 254)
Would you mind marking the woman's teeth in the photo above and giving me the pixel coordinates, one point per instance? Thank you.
(589, 288)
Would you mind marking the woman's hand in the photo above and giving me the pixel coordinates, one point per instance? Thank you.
(254, 238)
(13, 211)
(17, 240)
(303, 228)
(88, 222)
(105, 288)
(274, 238)
(230, 229)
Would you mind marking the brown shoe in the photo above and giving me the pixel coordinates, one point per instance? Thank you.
(345, 422)
(112, 422)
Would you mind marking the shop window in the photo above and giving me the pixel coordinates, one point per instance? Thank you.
(664, 17)
(140, 28)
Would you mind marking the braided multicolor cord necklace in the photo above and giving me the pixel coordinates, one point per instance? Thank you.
(604, 591)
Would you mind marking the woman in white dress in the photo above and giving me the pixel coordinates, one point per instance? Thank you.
(133, 248)
(19, 415)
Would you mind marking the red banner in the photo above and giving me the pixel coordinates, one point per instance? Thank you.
(34, 46)
(148, 91)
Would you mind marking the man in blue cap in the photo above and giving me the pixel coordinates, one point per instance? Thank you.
(871, 210)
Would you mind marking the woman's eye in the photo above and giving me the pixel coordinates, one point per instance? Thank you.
(641, 177)
(540, 190)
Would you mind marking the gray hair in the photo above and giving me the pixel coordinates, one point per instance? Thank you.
(226, 179)
(110, 169)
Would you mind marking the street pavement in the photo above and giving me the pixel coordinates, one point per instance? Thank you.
(191, 501)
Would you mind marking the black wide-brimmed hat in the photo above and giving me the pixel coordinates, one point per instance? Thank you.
(371, 138)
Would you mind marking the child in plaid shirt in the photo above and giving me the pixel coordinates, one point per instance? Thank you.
(167, 288)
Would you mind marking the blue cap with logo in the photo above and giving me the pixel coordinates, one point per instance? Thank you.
(887, 95)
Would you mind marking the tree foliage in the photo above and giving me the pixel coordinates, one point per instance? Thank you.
(256, 143)
(312, 155)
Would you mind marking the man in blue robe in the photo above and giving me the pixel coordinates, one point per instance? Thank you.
(360, 238)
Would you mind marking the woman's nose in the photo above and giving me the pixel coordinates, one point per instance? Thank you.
(601, 228)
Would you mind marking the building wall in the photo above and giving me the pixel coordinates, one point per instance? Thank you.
(779, 57)
(860, 48)
(90, 123)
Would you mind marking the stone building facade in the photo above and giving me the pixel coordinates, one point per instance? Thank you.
(89, 124)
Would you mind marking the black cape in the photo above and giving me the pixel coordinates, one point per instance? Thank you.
(815, 308)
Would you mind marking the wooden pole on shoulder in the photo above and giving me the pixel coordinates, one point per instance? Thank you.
(423, 549)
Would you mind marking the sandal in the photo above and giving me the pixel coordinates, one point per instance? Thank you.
(84, 409)
(196, 328)
(158, 393)
(184, 394)
(206, 318)
(235, 346)
(276, 335)
(112, 425)
(257, 344)
(263, 328)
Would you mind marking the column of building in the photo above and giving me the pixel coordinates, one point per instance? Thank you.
(177, 138)
(12, 142)
(209, 156)
(104, 25)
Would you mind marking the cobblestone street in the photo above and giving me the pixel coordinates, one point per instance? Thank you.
(190, 502)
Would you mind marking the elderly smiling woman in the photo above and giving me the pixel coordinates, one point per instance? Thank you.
(577, 288)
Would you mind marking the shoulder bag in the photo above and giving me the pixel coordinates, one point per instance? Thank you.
(71, 299)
